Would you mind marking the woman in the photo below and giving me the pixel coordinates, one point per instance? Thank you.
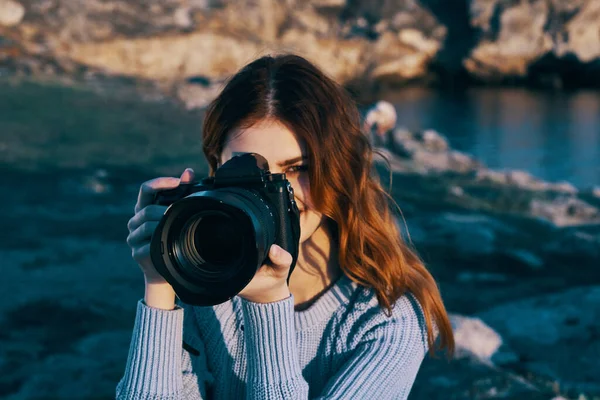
(360, 310)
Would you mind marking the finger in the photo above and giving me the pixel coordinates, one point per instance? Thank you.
(149, 189)
(141, 253)
(152, 212)
(142, 234)
(187, 176)
(279, 257)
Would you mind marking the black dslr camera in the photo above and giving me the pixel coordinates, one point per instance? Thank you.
(218, 232)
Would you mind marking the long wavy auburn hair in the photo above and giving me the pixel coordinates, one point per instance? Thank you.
(343, 184)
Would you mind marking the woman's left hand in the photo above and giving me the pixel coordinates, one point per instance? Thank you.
(270, 281)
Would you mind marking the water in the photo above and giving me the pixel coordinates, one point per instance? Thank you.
(554, 136)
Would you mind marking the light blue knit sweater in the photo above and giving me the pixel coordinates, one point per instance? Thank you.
(342, 347)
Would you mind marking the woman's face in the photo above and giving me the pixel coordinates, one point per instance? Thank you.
(286, 153)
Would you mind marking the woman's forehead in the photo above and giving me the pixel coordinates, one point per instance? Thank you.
(272, 140)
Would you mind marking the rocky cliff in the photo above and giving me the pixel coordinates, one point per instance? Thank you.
(356, 41)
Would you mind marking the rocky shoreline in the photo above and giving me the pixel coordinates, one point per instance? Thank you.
(365, 45)
(517, 261)
(516, 258)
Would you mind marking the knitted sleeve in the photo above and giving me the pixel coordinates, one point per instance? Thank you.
(274, 370)
(384, 363)
(160, 364)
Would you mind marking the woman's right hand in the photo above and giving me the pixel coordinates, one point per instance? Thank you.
(145, 220)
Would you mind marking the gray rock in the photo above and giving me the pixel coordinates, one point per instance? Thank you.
(467, 379)
(182, 17)
(474, 185)
(328, 3)
(429, 151)
(433, 141)
(91, 370)
(564, 187)
(565, 211)
(432, 162)
(461, 162)
(11, 13)
(457, 191)
(519, 178)
(548, 330)
(403, 143)
(515, 35)
(575, 242)
(526, 257)
(465, 234)
(474, 338)
(197, 96)
(468, 277)
(491, 176)
(380, 119)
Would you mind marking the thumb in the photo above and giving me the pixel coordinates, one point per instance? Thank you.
(187, 176)
(279, 257)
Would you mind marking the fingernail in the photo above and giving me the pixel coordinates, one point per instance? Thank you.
(183, 174)
(275, 250)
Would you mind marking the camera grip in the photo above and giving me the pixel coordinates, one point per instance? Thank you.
(288, 236)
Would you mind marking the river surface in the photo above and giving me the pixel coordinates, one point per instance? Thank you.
(553, 135)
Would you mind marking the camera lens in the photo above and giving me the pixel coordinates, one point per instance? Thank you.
(212, 239)
(210, 244)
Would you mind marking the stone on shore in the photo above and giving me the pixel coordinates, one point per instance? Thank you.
(11, 13)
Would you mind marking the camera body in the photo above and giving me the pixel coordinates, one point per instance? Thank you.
(217, 232)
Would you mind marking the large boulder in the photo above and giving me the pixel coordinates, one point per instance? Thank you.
(556, 336)
(552, 38)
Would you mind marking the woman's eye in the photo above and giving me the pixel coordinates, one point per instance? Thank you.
(297, 168)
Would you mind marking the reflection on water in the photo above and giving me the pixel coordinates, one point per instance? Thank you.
(555, 136)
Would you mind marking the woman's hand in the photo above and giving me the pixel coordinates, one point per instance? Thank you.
(269, 284)
(159, 292)
(270, 281)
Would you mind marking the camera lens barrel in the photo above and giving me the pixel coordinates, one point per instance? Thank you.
(210, 244)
